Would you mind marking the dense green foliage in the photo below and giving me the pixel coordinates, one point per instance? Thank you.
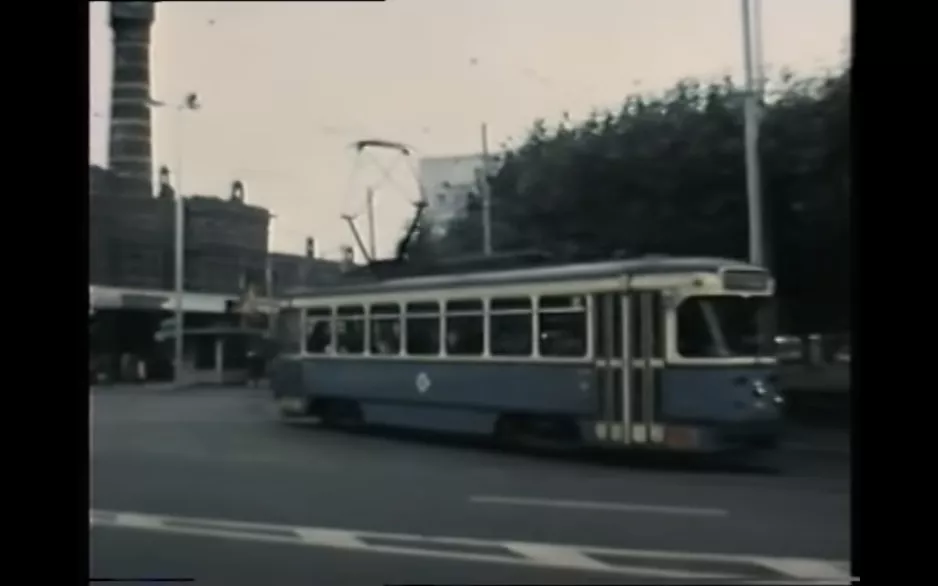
(666, 175)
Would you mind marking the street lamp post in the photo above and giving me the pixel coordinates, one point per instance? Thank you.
(486, 194)
(752, 52)
(190, 103)
(269, 276)
(179, 255)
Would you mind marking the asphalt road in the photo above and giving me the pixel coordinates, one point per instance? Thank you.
(207, 485)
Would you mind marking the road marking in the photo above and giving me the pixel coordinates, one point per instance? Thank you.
(569, 557)
(822, 571)
(565, 557)
(330, 538)
(132, 520)
(599, 506)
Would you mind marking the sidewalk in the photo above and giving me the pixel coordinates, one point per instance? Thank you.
(132, 387)
(158, 387)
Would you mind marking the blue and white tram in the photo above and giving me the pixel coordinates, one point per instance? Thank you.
(656, 353)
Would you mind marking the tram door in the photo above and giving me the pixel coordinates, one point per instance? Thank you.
(629, 357)
(612, 367)
(645, 327)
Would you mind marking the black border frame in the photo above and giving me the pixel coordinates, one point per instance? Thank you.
(54, 115)
(47, 110)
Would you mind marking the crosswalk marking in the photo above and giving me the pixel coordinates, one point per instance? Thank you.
(635, 563)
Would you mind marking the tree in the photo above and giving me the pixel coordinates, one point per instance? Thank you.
(666, 175)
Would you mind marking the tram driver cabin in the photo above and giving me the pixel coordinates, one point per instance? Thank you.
(659, 352)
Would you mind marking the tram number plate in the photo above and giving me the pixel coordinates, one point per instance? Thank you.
(680, 437)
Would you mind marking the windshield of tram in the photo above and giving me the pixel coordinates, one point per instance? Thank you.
(724, 327)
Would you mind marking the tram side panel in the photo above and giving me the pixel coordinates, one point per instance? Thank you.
(458, 358)
(466, 397)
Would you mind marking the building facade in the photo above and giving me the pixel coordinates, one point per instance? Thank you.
(132, 240)
(132, 245)
(132, 228)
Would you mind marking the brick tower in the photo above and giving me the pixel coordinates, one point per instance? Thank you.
(130, 149)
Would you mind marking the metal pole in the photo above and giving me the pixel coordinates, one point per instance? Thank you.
(179, 249)
(751, 137)
(372, 237)
(758, 61)
(486, 195)
(269, 277)
(268, 264)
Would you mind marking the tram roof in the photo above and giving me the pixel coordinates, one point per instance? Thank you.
(541, 274)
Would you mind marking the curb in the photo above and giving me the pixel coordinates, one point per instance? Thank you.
(131, 388)
(168, 388)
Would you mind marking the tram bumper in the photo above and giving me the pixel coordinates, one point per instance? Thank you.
(658, 437)
(757, 435)
(685, 437)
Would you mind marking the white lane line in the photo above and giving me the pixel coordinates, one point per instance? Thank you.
(810, 569)
(330, 538)
(797, 568)
(133, 520)
(599, 506)
(570, 557)
(558, 556)
(789, 581)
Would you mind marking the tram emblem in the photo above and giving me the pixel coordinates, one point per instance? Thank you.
(423, 383)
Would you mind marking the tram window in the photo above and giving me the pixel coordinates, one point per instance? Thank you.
(385, 337)
(721, 326)
(657, 325)
(423, 336)
(512, 304)
(511, 335)
(318, 334)
(464, 335)
(430, 308)
(510, 325)
(385, 329)
(386, 309)
(562, 326)
(465, 328)
(464, 306)
(350, 329)
(562, 302)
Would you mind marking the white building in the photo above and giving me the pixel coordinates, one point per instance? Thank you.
(449, 183)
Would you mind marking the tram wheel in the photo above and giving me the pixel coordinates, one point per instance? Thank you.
(341, 414)
(508, 431)
(535, 432)
(291, 415)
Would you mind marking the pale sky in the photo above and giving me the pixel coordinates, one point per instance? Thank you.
(287, 86)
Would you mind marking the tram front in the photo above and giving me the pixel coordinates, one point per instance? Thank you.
(721, 381)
